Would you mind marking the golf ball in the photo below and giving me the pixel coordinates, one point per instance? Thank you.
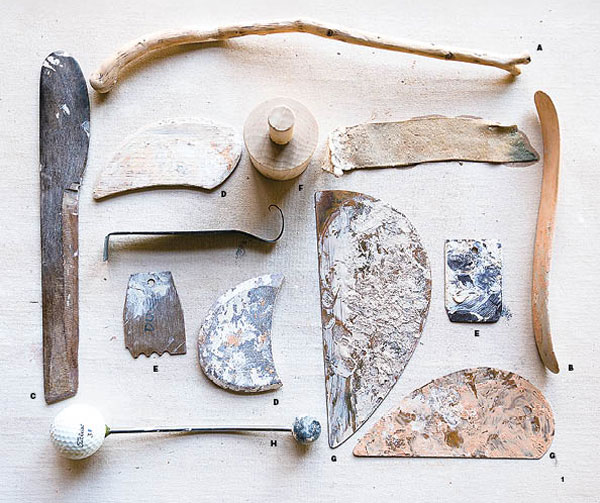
(78, 431)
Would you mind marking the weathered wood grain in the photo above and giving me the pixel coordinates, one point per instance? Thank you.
(223, 82)
(64, 140)
(544, 234)
(182, 152)
(106, 76)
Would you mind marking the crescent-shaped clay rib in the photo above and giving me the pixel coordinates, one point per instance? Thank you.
(375, 286)
(473, 413)
(172, 153)
(234, 345)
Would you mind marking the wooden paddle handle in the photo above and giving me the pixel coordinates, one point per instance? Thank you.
(542, 252)
(106, 76)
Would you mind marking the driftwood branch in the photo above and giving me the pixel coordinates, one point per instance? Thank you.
(106, 76)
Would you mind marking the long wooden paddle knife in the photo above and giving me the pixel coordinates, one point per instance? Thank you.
(64, 141)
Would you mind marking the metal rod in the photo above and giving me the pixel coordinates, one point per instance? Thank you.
(213, 232)
(203, 429)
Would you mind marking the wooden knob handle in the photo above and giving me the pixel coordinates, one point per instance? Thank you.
(282, 150)
(281, 124)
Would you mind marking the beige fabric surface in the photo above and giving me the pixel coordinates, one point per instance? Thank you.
(341, 85)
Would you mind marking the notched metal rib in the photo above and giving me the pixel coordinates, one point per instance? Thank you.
(153, 318)
(375, 284)
(234, 344)
(425, 139)
(64, 140)
(473, 413)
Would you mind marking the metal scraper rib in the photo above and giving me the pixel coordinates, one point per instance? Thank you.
(375, 284)
(152, 317)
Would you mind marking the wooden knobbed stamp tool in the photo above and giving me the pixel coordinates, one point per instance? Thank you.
(281, 136)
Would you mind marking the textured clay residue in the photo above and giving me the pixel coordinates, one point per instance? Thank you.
(174, 152)
(474, 413)
(234, 345)
(375, 284)
(425, 139)
(473, 280)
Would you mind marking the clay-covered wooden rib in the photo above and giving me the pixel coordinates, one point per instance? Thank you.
(375, 284)
(473, 413)
(183, 152)
(473, 280)
(425, 139)
(153, 317)
(234, 345)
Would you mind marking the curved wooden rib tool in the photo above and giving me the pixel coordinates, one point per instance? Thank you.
(64, 141)
(152, 316)
(234, 345)
(473, 413)
(208, 232)
(542, 252)
(375, 284)
(172, 153)
(106, 76)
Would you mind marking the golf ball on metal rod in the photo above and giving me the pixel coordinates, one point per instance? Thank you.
(78, 431)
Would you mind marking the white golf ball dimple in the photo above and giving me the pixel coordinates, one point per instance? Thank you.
(78, 431)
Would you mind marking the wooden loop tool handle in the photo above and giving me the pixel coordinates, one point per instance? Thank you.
(106, 76)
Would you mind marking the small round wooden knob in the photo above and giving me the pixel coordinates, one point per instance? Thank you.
(281, 136)
(281, 124)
